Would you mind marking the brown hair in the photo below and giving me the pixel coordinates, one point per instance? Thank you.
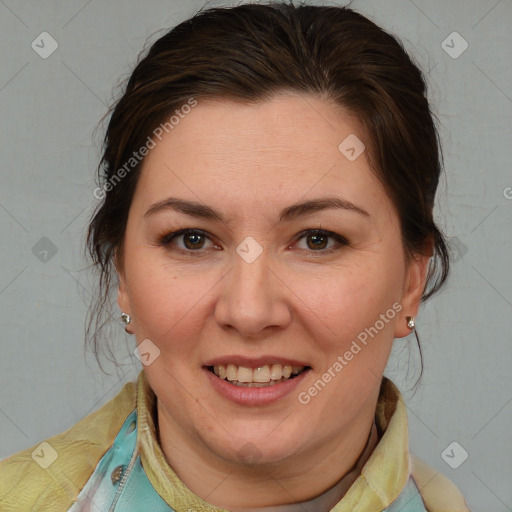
(249, 53)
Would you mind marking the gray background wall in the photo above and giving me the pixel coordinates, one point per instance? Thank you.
(48, 109)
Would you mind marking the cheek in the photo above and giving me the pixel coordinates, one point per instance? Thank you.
(351, 299)
(166, 302)
(356, 314)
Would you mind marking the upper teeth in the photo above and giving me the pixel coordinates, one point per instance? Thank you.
(261, 374)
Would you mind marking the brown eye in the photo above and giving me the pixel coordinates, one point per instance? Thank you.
(193, 240)
(317, 240)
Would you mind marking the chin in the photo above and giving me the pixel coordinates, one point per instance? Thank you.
(256, 450)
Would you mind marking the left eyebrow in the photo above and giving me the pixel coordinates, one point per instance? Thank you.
(289, 213)
(315, 205)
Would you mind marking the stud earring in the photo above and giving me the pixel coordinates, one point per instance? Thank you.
(126, 319)
(410, 322)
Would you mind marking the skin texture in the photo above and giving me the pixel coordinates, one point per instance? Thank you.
(249, 162)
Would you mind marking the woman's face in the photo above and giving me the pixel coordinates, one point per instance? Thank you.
(255, 286)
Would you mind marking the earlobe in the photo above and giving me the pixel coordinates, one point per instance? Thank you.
(414, 287)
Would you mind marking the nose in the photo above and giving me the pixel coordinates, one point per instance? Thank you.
(254, 298)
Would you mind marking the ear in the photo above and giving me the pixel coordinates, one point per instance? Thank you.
(122, 295)
(415, 280)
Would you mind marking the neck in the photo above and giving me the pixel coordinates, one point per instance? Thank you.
(321, 476)
(328, 499)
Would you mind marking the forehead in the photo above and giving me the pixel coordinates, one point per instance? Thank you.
(274, 150)
(289, 125)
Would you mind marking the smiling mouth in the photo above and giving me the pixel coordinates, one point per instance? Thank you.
(262, 376)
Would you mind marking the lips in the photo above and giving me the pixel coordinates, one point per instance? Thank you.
(255, 393)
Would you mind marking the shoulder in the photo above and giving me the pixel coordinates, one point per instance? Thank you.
(439, 493)
(49, 475)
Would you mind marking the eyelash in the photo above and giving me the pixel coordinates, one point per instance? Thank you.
(166, 239)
